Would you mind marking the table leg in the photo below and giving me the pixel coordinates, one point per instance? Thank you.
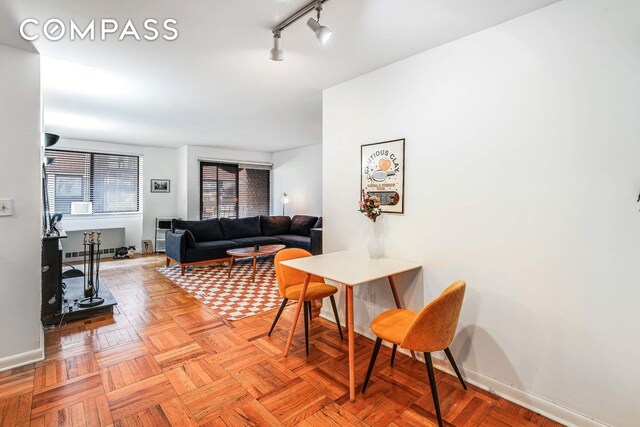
(352, 361)
(396, 298)
(253, 276)
(303, 292)
(230, 266)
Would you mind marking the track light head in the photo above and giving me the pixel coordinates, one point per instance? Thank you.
(322, 33)
(277, 54)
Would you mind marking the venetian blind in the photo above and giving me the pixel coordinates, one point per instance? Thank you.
(111, 182)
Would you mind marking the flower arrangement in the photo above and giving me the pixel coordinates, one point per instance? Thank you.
(370, 206)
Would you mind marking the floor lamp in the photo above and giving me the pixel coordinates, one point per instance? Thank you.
(284, 199)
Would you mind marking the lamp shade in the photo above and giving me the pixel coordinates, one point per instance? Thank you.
(50, 139)
(284, 199)
(322, 33)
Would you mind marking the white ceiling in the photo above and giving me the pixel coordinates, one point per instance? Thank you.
(215, 85)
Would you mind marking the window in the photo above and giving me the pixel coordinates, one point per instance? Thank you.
(233, 191)
(254, 191)
(111, 182)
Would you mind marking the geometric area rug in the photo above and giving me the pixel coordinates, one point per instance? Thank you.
(233, 298)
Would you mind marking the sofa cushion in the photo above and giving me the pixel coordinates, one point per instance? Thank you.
(203, 231)
(318, 223)
(191, 240)
(294, 241)
(272, 225)
(210, 250)
(241, 227)
(261, 240)
(218, 244)
(302, 224)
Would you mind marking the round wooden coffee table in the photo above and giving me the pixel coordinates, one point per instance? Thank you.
(251, 252)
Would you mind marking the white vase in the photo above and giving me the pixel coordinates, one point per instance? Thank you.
(375, 245)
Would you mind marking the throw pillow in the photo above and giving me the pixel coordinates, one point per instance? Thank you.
(302, 224)
(318, 223)
(241, 227)
(275, 225)
(207, 230)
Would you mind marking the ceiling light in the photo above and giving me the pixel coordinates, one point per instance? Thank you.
(322, 33)
(276, 53)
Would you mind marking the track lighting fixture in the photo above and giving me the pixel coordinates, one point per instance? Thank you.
(276, 53)
(322, 33)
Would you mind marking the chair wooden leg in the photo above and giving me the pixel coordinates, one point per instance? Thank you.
(335, 313)
(306, 325)
(168, 262)
(374, 355)
(282, 306)
(434, 388)
(296, 316)
(393, 354)
(455, 366)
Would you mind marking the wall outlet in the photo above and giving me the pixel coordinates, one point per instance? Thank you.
(6, 207)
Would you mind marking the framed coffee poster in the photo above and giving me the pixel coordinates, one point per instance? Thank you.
(382, 173)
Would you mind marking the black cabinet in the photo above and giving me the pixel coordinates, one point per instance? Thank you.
(51, 278)
(54, 291)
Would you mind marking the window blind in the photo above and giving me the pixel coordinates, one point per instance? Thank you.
(254, 192)
(111, 182)
(233, 191)
(218, 190)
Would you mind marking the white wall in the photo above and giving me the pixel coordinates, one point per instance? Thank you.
(20, 122)
(195, 152)
(297, 172)
(522, 151)
(158, 163)
(181, 186)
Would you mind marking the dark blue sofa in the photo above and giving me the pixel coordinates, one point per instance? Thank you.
(199, 242)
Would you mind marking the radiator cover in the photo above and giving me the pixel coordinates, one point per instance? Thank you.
(110, 240)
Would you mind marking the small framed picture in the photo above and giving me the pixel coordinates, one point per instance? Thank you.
(160, 186)
(147, 247)
(382, 173)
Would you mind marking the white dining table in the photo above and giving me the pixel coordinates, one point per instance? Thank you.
(350, 268)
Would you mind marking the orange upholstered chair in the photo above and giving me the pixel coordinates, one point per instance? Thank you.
(290, 283)
(430, 330)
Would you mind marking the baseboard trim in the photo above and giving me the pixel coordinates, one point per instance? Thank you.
(21, 359)
(533, 402)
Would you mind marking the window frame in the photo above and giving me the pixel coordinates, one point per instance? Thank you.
(91, 184)
(239, 167)
(204, 164)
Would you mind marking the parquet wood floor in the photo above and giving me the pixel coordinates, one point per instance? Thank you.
(165, 359)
